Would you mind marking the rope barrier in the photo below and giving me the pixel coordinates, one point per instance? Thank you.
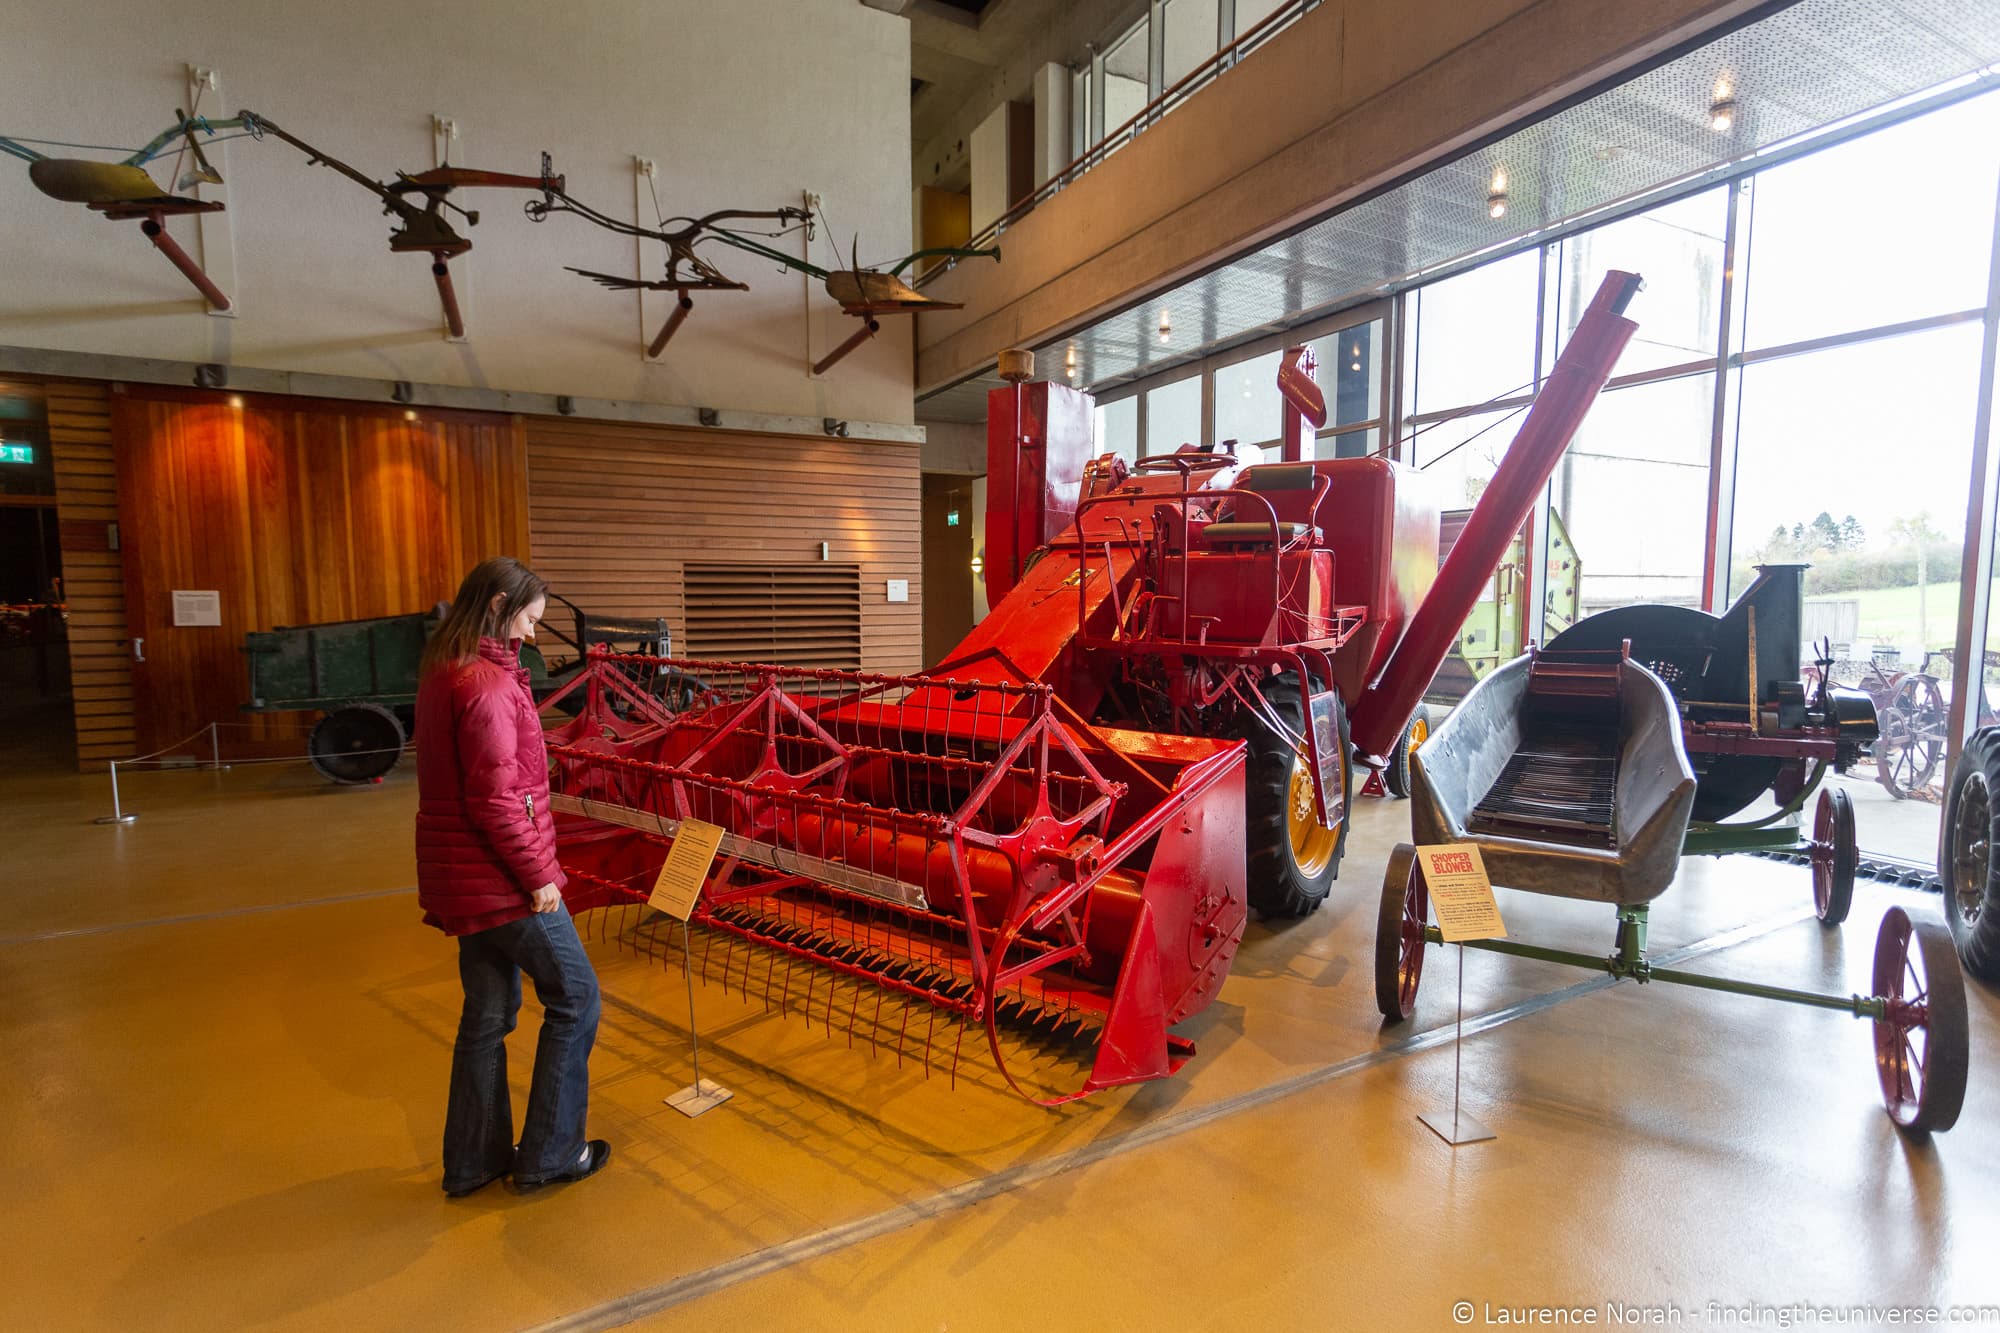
(214, 763)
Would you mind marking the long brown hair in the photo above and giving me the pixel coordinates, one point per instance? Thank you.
(474, 616)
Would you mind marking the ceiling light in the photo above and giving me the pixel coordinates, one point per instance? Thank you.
(1722, 115)
(1166, 326)
(1496, 197)
(409, 416)
(236, 400)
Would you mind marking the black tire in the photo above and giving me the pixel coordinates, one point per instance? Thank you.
(1279, 885)
(358, 743)
(1396, 776)
(1965, 863)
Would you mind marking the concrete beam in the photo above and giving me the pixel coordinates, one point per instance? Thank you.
(1351, 97)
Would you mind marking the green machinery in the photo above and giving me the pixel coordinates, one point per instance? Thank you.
(1492, 633)
(361, 676)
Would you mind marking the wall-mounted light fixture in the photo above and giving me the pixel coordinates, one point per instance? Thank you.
(1496, 196)
(409, 414)
(236, 401)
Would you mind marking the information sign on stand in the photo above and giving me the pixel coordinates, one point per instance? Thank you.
(674, 892)
(1461, 895)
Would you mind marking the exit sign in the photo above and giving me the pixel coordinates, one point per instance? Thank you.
(16, 453)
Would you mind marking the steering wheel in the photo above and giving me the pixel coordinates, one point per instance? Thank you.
(1186, 463)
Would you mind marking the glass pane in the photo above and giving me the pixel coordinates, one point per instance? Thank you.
(1475, 336)
(1894, 226)
(1188, 37)
(1125, 78)
(1173, 415)
(1630, 502)
(1246, 400)
(1118, 429)
(1350, 373)
(1679, 246)
(1856, 460)
(1346, 444)
(1249, 13)
(1462, 454)
(1079, 112)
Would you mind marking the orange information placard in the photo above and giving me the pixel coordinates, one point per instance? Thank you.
(1461, 894)
(685, 869)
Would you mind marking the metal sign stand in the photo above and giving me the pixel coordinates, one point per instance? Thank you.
(1457, 1129)
(702, 1095)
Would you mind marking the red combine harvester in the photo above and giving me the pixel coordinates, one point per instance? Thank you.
(1059, 831)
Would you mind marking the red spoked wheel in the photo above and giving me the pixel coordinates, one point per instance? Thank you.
(1920, 1040)
(1399, 935)
(1833, 855)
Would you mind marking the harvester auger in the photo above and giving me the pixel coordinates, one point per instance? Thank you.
(1064, 824)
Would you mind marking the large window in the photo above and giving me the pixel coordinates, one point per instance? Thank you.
(1894, 226)
(1173, 415)
(1118, 429)
(1473, 336)
(1833, 426)
(1247, 406)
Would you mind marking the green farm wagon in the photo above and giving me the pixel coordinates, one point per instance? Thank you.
(361, 677)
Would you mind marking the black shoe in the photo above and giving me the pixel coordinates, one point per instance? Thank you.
(473, 1188)
(595, 1154)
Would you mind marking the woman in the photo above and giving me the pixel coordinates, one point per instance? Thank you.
(487, 874)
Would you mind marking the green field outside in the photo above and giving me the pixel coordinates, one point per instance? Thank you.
(1889, 615)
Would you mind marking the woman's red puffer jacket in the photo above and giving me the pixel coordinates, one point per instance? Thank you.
(485, 837)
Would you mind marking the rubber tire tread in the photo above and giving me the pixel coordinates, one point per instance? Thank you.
(1978, 943)
(1274, 884)
(1396, 774)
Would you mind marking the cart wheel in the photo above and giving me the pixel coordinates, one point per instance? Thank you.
(1399, 935)
(1971, 892)
(358, 743)
(1912, 741)
(1833, 856)
(1920, 1043)
(1396, 777)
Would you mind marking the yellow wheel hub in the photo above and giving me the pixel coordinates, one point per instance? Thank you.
(1312, 842)
(1420, 731)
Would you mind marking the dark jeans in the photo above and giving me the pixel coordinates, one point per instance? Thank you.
(479, 1119)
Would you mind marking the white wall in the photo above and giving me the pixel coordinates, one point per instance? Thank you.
(745, 104)
(989, 168)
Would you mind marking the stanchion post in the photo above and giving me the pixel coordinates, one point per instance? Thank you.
(700, 1095)
(117, 815)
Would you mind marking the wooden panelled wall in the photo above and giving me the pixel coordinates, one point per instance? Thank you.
(93, 574)
(615, 510)
(295, 511)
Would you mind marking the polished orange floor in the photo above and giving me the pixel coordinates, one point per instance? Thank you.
(228, 1038)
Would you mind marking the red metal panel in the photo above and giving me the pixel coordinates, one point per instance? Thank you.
(1038, 438)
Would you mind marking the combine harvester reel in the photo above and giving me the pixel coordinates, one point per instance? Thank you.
(1058, 832)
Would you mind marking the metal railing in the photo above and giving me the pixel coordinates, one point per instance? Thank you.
(1187, 86)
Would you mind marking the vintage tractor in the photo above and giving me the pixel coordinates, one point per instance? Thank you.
(1062, 826)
